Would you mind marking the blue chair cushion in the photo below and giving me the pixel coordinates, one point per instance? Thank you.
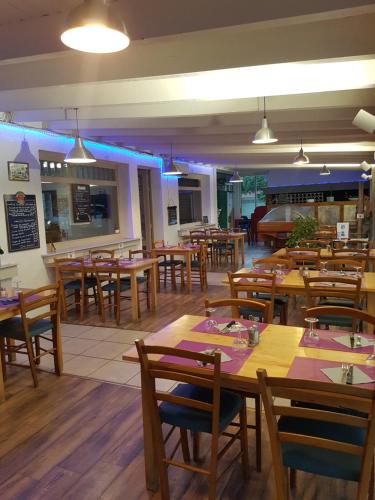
(112, 287)
(90, 282)
(13, 328)
(279, 299)
(171, 262)
(194, 264)
(343, 321)
(331, 301)
(198, 420)
(318, 460)
(248, 311)
(140, 279)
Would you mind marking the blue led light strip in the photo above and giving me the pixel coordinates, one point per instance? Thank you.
(68, 141)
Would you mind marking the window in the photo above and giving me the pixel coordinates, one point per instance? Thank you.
(79, 202)
(190, 206)
(253, 194)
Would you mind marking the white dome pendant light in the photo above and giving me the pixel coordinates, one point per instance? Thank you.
(169, 166)
(325, 170)
(236, 177)
(79, 153)
(265, 134)
(94, 27)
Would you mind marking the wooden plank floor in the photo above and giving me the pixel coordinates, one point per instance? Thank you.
(75, 438)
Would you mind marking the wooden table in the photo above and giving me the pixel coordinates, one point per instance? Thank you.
(277, 349)
(132, 268)
(327, 255)
(236, 238)
(187, 251)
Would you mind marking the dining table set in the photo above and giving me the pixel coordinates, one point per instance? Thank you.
(284, 351)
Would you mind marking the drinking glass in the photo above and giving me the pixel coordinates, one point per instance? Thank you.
(17, 285)
(358, 270)
(279, 269)
(311, 333)
(239, 342)
(323, 268)
(211, 325)
(345, 243)
(121, 249)
(371, 357)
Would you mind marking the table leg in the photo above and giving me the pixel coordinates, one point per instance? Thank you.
(243, 249)
(188, 272)
(235, 260)
(370, 309)
(2, 389)
(134, 294)
(153, 285)
(151, 473)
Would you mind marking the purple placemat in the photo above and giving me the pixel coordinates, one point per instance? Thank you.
(310, 369)
(13, 301)
(280, 275)
(334, 274)
(326, 341)
(202, 328)
(232, 366)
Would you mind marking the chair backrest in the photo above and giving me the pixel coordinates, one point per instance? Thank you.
(43, 302)
(197, 237)
(69, 269)
(104, 253)
(317, 243)
(357, 243)
(158, 244)
(346, 264)
(272, 263)
(302, 256)
(358, 316)
(328, 394)
(174, 371)
(235, 304)
(107, 271)
(352, 254)
(329, 286)
(146, 254)
(252, 284)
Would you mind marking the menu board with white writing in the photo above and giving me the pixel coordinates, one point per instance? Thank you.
(22, 222)
(81, 203)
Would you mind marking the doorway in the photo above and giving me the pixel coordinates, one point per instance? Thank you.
(145, 205)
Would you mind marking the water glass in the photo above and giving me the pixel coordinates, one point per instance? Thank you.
(323, 268)
(371, 357)
(239, 342)
(211, 326)
(311, 333)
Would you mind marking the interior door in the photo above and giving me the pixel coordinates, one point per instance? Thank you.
(145, 205)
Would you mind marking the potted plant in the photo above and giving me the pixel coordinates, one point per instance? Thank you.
(304, 229)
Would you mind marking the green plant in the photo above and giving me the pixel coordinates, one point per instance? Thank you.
(1, 251)
(304, 229)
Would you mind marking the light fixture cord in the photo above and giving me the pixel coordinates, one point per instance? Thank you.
(77, 131)
(264, 106)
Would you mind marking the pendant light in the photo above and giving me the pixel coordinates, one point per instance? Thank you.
(265, 134)
(325, 171)
(301, 158)
(79, 153)
(236, 177)
(169, 166)
(94, 27)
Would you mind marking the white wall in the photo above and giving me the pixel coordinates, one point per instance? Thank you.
(22, 144)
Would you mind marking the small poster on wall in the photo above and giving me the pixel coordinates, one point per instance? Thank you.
(172, 215)
(18, 171)
(81, 200)
(22, 221)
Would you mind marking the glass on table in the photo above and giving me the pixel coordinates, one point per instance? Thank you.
(239, 344)
(358, 270)
(279, 269)
(323, 267)
(17, 285)
(211, 324)
(312, 334)
(371, 357)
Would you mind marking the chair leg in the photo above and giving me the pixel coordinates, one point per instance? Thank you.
(244, 443)
(56, 359)
(258, 432)
(185, 445)
(64, 309)
(292, 478)
(37, 350)
(30, 354)
(196, 447)
(3, 357)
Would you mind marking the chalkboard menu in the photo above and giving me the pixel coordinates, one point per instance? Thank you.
(81, 203)
(22, 221)
(172, 215)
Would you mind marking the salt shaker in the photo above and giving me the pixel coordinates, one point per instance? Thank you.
(253, 335)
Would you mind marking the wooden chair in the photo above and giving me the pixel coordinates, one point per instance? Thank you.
(272, 263)
(221, 247)
(102, 254)
(357, 316)
(40, 314)
(262, 309)
(317, 440)
(260, 287)
(169, 268)
(109, 281)
(142, 280)
(197, 237)
(199, 267)
(347, 253)
(305, 257)
(333, 291)
(71, 274)
(197, 404)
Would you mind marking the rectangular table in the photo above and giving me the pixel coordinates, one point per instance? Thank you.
(237, 238)
(276, 351)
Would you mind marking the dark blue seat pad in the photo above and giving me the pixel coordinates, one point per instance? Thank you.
(140, 279)
(13, 328)
(89, 282)
(112, 287)
(318, 460)
(331, 301)
(171, 262)
(198, 420)
(330, 319)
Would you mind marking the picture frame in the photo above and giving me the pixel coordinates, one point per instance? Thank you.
(18, 171)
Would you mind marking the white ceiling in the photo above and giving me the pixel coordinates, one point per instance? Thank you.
(155, 93)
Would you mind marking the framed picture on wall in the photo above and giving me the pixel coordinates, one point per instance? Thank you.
(18, 171)
(172, 215)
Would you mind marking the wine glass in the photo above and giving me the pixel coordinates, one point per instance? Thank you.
(323, 268)
(345, 243)
(358, 270)
(311, 333)
(279, 269)
(371, 357)
(211, 325)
